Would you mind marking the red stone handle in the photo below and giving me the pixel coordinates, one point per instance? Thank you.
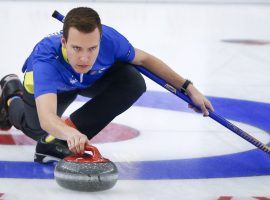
(95, 158)
(95, 152)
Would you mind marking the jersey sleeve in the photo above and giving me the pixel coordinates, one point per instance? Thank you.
(45, 80)
(44, 72)
(124, 51)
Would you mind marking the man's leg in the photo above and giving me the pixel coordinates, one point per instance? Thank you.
(23, 116)
(23, 113)
(111, 95)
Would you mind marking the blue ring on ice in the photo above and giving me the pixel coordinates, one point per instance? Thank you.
(249, 163)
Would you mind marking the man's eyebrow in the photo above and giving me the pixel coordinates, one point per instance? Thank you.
(73, 45)
(96, 45)
(93, 46)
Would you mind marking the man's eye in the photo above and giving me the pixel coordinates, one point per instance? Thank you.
(92, 48)
(76, 48)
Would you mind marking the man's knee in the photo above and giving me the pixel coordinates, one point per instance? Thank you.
(140, 86)
(136, 83)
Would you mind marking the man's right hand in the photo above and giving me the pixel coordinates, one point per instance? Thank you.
(76, 142)
(51, 123)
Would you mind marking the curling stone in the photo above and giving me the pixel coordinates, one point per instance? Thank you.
(86, 172)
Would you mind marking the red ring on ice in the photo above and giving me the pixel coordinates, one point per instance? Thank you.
(111, 133)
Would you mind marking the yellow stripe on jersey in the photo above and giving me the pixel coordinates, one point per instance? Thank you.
(28, 82)
(64, 53)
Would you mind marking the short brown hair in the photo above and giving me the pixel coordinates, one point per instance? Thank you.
(83, 19)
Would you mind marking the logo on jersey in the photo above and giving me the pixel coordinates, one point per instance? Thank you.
(73, 80)
(94, 72)
(128, 54)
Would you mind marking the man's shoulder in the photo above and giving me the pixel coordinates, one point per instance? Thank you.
(110, 33)
(46, 51)
(106, 28)
(51, 42)
(111, 37)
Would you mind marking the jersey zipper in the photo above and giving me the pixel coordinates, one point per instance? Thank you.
(81, 78)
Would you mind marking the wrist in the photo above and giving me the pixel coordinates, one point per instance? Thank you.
(70, 132)
(185, 87)
(190, 90)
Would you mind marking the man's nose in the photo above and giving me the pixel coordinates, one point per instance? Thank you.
(85, 58)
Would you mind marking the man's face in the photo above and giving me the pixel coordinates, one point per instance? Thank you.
(82, 49)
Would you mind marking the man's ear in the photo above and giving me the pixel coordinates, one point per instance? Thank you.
(64, 42)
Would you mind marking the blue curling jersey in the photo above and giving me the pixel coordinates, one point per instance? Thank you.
(48, 71)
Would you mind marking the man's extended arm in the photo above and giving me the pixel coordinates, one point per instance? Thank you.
(162, 70)
(55, 126)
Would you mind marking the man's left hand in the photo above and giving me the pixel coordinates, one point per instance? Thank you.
(199, 100)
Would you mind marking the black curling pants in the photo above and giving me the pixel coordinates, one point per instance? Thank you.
(111, 95)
